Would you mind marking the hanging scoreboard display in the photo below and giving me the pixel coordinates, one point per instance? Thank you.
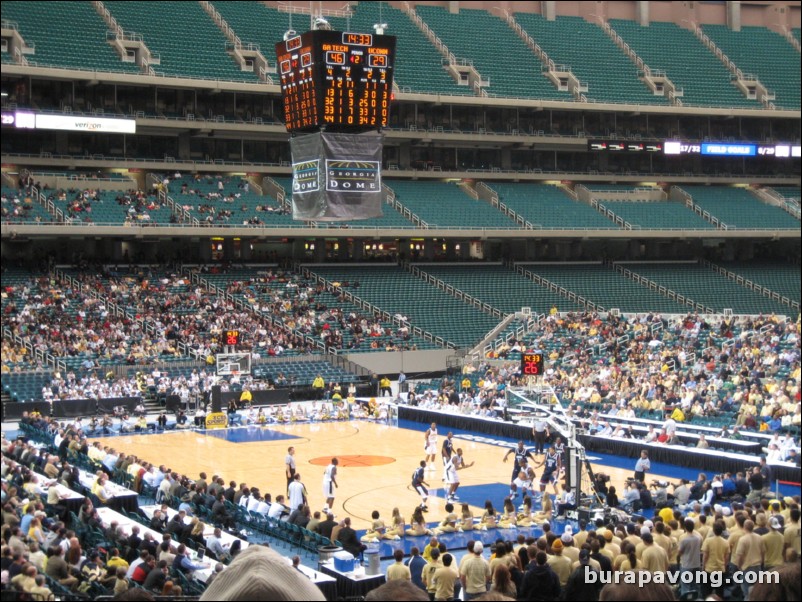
(340, 80)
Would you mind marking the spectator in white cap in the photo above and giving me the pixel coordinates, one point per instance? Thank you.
(475, 573)
(570, 551)
(774, 543)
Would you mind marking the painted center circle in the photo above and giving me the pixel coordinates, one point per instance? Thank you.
(353, 461)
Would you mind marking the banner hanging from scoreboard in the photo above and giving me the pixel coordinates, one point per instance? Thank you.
(336, 176)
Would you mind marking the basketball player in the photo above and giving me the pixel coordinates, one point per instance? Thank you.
(551, 471)
(559, 449)
(523, 482)
(454, 464)
(419, 485)
(522, 454)
(430, 445)
(329, 483)
(448, 448)
(289, 466)
(296, 492)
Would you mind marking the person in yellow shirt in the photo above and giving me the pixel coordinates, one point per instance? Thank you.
(791, 535)
(559, 564)
(431, 567)
(774, 544)
(444, 579)
(384, 387)
(678, 415)
(318, 385)
(115, 560)
(398, 570)
(99, 488)
(427, 550)
(666, 513)
(245, 398)
(750, 554)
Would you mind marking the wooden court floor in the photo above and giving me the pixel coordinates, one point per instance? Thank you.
(366, 483)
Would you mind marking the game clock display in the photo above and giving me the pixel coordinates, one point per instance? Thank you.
(340, 80)
(532, 363)
(232, 337)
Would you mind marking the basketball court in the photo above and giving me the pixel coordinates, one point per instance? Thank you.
(376, 462)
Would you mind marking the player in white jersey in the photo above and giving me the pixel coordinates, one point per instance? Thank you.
(430, 445)
(523, 482)
(454, 464)
(329, 484)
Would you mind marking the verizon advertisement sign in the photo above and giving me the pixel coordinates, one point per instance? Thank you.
(70, 123)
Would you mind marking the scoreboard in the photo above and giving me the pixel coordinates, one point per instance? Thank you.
(232, 337)
(532, 363)
(625, 146)
(340, 80)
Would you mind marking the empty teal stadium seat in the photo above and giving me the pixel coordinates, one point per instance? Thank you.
(687, 62)
(767, 55)
(739, 208)
(68, 35)
(173, 30)
(548, 207)
(519, 75)
(447, 206)
(703, 285)
(596, 61)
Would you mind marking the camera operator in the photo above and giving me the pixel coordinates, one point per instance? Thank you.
(742, 484)
(660, 494)
(767, 474)
(600, 481)
(756, 484)
(698, 488)
(682, 493)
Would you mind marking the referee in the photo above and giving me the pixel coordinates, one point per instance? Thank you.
(642, 466)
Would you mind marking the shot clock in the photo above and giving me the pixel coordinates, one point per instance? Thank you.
(232, 337)
(532, 363)
(340, 80)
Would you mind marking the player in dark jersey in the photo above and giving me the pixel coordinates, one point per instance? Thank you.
(559, 448)
(522, 454)
(552, 464)
(419, 484)
(448, 448)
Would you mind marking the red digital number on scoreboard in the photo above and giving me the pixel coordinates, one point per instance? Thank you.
(232, 337)
(532, 364)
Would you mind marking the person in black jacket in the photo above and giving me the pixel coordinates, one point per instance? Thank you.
(349, 540)
(175, 526)
(612, 498)
(132, 544)
(156, 578)
(577, 587)
(325, 527)
(540, 582)
(220, 514)
(595, 553)
(158, 522)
